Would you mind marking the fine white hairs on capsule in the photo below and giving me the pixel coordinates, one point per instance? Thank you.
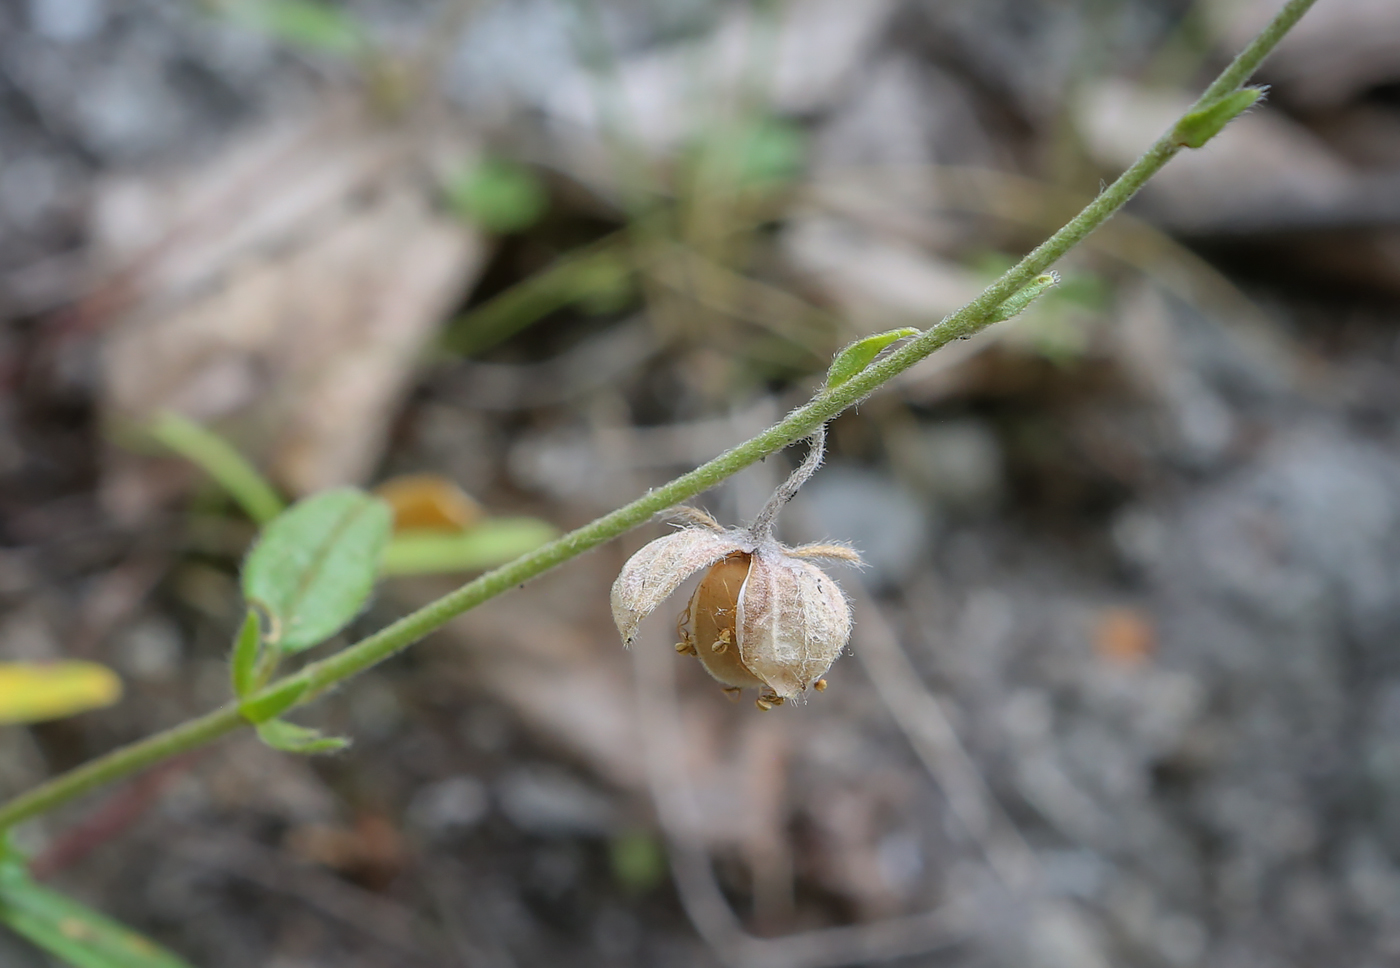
(763, 616)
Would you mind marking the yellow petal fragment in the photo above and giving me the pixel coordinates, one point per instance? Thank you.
(32, 692)
(428, 502)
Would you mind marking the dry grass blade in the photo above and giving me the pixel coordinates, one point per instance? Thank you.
(700, 893)
(923, 722)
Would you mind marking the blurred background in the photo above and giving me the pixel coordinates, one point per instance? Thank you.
(1124, 687)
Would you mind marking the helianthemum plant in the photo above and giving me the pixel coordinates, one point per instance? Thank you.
(763, 616)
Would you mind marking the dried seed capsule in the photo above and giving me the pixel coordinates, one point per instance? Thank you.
(763, 616)
(653, 573)
(793, 622)
(714, 613)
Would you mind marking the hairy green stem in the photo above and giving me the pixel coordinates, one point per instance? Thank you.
(303, 686)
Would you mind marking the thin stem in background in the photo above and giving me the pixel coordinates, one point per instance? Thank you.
(304, 686)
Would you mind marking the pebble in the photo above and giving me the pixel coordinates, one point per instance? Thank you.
(887, 525)
(549, 802)
(449, 806)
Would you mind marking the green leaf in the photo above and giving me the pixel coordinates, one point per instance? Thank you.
(1199, 126)
(302, 23)
(314, 565)
(638, 861)
(763, 154)
(602, 285)
(492, 542)
(246, 648)
(598, 279)
(499, 196)
(71, 931)
(291, 738)
(1017, 303)
(771, 152)
(218, 458)
(261, 709)
(859, 354)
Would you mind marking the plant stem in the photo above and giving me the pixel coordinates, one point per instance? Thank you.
(317, 677)
(221, 462)
(762, 525)
(121, 763)
(1233, 77)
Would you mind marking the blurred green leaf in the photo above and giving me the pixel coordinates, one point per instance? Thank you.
(597, 279)
(498, 195)
(1083, 291)
(492, 542)
(638, 862)
(313, 566)
(291, 738)
(1056, 332)
(990, 263)
(302, 23)
(70, 931)
(859, 354)
(772, 152)
(761, 154)
(221, 461)
(602, 285)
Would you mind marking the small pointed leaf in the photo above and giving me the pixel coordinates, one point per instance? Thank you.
(313, 567)
(284, 696)
(1017, 303)
(244, 665)
(291, 738)
(1199, 126)
(859, 354)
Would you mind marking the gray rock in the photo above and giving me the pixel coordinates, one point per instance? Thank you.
(887, 524)
(66, 21)
(957, 462)
(150, 649)
(449, 806)
(550, 802)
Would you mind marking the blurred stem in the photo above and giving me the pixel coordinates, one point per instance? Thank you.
(533, 298)
(314, 679)
(220, 461)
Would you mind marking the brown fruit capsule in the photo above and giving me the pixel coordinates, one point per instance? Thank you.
(714, 612)
(763, 616)
(793, 621)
